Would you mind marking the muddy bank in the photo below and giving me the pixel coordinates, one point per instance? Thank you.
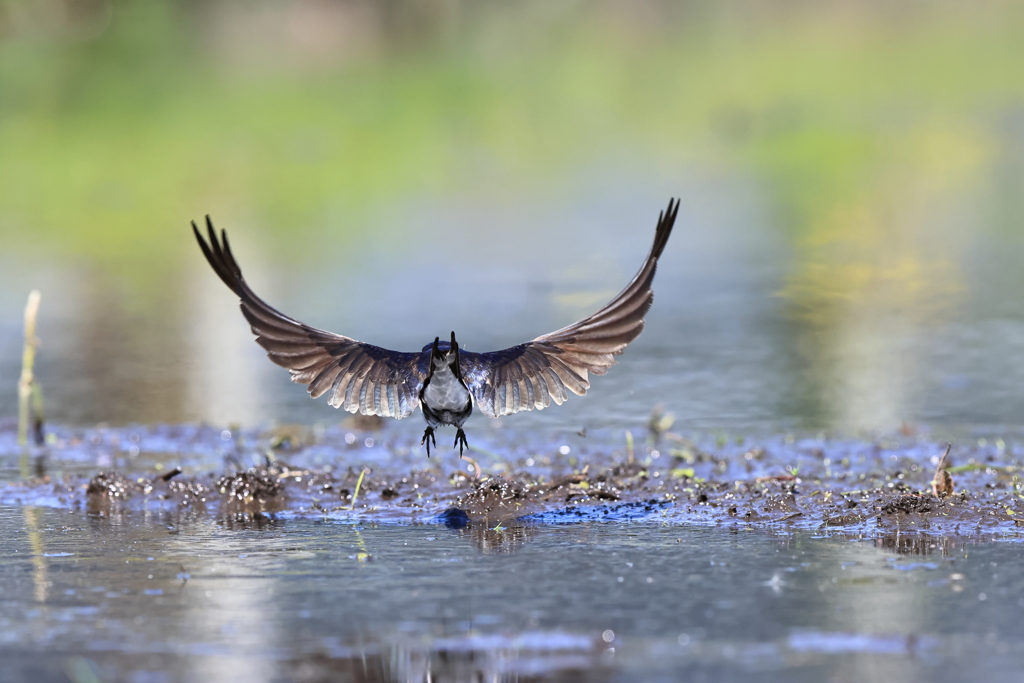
(358, 473)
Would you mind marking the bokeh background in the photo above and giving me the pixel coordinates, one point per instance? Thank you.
(848, 253)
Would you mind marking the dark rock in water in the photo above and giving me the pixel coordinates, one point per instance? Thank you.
(454, 518)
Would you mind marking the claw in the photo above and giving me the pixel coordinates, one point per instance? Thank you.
(428, 437)
(460, 441)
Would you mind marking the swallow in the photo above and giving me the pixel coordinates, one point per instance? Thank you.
(442, 380)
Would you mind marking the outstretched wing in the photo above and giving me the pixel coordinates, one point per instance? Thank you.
(357, 377)
(532, 375)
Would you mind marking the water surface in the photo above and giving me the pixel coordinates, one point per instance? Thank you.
(155, 597)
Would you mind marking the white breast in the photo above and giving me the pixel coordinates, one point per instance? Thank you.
(445, 392)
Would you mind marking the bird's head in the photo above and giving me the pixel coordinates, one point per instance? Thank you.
(442, 352)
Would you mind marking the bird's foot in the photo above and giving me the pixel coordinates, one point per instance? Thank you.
(460, 441)
(428, 437)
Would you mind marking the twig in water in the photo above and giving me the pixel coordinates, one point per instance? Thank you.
(476, 467)
(630, 457)
(171, 474)
(355, 494)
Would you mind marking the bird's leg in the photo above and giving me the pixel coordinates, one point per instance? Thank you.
(460, 441)
(428, 436)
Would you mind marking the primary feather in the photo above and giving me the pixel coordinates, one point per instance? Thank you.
(359, 377)
(532, 375)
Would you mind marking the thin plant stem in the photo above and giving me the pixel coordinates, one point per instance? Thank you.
(27, 384)
(355, 494)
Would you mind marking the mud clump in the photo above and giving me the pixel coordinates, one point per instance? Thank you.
(497, 499)
(525, 478)
(107, 490)
(188, 493)
(107, 486)
(907, 504)
(254, 491)
(842, 520)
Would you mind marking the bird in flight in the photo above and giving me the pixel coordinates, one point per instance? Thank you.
(442, 380)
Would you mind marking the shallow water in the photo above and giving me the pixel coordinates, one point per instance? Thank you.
(573, 558)
(149, 597)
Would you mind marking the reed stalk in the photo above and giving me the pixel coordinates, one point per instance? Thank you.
(30, 396)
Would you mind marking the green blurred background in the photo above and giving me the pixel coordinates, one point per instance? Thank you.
(854, 171)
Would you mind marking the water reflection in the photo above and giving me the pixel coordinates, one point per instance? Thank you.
(238, 612)
(499, 538)
(40, 582)
(221, 379)
(914, 544)
(540, 657)
(871, 289)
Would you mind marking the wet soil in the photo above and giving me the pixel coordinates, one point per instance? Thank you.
(510, 479)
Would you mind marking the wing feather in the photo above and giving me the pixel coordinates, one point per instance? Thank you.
(324, 381)
(532, 375)
(356, 376)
